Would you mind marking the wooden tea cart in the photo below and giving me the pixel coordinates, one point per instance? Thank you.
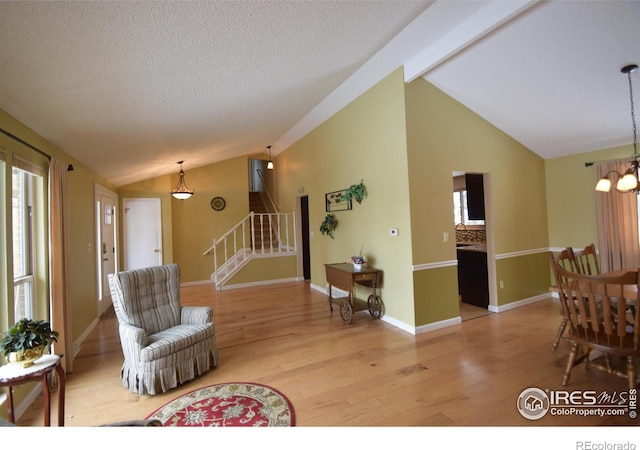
(344, 276)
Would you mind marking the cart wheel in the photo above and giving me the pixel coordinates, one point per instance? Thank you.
(346, 311)
(375, 306)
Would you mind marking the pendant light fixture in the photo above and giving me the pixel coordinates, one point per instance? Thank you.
(627, 182)
(270, 163)
(181, 192)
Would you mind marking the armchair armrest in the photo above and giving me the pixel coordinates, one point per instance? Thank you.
(196, 315)
(133, 340)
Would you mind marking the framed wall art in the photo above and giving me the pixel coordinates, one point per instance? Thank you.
(334, 202)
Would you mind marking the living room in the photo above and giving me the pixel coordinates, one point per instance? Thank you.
(404, 140)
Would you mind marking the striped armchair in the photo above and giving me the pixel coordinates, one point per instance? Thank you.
(164, 344)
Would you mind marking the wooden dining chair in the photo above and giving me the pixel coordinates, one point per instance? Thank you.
(566, 260)
(603, 313)
(586, 260)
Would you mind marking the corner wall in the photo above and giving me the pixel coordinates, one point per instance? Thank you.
(366, 141)
(571, 196)
(443, 136)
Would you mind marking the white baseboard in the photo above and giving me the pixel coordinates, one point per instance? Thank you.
(196, 283)
(517, 304)
(260, 283)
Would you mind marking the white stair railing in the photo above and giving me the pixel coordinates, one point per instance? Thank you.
(229, 257)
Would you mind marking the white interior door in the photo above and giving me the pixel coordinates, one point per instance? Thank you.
(142, 227)
(106, 251)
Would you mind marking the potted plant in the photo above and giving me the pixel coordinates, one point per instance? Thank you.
(355, 191)
(328, 225)
(358, 260)
(27, 340)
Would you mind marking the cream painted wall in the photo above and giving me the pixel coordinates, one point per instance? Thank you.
(570, 191)
(365, 140)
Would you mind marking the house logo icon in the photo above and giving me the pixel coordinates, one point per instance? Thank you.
(533, 403)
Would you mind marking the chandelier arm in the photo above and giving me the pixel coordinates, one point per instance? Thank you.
(633, 114)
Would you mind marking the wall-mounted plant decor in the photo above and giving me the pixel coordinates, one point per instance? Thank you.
(334, 202)
(330, 223)
(356, 192)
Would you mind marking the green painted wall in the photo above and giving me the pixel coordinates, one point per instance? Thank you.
(82, 258)
(436, 294)
(365, 140)
(570, 191)
(444, 136)
(266, 269)
(189, 226)
(524, 277)
(81, 213)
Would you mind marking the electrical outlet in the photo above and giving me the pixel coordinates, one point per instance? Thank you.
(445, 237)
(501, 284)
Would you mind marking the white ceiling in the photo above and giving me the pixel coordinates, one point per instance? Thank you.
(129, 88)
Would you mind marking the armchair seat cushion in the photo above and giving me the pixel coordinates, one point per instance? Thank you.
(175, 339)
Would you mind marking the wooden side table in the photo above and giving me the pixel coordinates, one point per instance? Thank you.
(15, 375)
(345, 277)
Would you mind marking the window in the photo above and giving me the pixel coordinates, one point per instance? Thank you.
(460, 213)
(23, 243)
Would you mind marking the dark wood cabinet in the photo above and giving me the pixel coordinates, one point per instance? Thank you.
(475, 196)
(473, 278)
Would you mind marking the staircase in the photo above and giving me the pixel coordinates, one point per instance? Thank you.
(260, 234)
(265, 235)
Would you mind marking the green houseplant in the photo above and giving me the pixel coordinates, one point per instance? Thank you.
(355, 191)
(328, 225)
(27, 340)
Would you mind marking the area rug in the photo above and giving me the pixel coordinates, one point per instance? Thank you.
(228, 405)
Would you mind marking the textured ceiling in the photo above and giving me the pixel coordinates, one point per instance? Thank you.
(129, 88)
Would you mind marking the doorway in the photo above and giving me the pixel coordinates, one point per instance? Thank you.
(306, 257)
(304, 250)
(142, 232)
(106, 244)
(471, 244)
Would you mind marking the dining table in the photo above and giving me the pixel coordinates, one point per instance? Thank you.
(630, 291)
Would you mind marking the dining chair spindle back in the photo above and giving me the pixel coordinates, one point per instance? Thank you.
(566, 260)
(603, 313)
(586, 260)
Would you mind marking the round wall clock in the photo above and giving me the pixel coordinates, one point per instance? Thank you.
(217, 203)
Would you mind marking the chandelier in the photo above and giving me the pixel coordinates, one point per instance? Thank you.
(627, 182)
(181, 192)
(270, 163)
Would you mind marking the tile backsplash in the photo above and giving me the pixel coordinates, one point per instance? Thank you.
(472, 235)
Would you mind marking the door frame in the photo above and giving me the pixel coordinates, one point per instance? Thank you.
(490, 242)
(98, 192)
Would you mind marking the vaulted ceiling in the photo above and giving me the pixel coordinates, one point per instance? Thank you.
(129, 88)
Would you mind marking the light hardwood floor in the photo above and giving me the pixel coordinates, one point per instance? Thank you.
(368, 373)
